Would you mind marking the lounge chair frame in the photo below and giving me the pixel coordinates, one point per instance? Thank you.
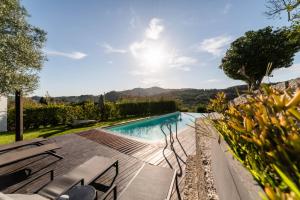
(50, 152)
(37, 142)
(112, 186)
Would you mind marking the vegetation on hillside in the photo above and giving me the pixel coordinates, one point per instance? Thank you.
(187, 99)
(263, 133)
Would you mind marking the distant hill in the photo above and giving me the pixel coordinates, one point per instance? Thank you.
(146, 91)
(187, 96)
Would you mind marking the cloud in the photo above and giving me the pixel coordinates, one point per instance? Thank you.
(295, 67)
(134, 20)
(215, 45)
(73, 55)
(213, 80)
(137, 47)
(154, 29)
(227, 8)
(155, 58)
(110, 62)
(182, 62)
(109, 49)
(138, 73)
(151, 82)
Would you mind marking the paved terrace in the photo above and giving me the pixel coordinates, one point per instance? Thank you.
(77, 148)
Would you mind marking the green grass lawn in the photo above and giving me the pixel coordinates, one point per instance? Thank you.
(9, 137)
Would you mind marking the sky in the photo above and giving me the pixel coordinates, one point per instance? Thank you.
(97, 46)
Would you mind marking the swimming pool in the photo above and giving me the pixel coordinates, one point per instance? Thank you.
(150, 129)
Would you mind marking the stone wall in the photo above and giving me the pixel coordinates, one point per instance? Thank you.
(231, 180)
(293, 83)
(3, 114)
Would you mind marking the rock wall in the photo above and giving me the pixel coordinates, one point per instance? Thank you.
(293, 83)
(226, 175)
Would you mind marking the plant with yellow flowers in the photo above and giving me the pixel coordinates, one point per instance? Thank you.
(263, 134)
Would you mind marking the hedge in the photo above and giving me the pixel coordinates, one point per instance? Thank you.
(146, 108)
(35, 117)
(55, 114)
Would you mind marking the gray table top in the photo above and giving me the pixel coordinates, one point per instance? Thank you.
(84, 192)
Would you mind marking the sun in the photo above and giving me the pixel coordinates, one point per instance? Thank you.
(154, 57)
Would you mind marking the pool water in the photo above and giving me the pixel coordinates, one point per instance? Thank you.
(150, 129)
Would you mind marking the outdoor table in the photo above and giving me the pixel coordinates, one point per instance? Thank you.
(82, 192)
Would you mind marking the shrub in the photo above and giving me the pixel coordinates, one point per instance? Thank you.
(109, 111)
(201, 108)
(53, 114)
(145, 108)
(263, 134)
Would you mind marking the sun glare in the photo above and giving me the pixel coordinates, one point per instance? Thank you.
(154, 57)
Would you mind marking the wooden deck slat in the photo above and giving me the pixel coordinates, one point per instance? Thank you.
(153, 154)
(77, 148)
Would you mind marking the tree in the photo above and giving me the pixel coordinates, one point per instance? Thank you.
(43, 100)
(291, 7)
(101, 105)
(257, 54)
(21, 55)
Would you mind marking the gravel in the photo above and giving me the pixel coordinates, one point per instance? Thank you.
(199, 182)
(205, 164)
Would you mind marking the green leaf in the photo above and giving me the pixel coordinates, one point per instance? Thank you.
(288, 181)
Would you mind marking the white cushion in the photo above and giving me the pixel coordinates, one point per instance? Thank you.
(25, 197)
(4, 197)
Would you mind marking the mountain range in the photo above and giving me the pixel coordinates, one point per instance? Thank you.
(188, 97)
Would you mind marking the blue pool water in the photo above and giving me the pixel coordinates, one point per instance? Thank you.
(150, 129)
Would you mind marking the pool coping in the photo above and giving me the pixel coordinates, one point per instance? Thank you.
(140, 119)
(155, 142)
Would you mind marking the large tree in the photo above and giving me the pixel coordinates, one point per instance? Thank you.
(21, 55)
(291, 7)
(257, 54)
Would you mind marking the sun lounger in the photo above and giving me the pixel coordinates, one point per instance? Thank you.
(16, 156)
(16, 145)
(150, 183)
(21, 197)
(85, 173)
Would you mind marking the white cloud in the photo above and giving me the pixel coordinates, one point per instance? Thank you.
(136, 47)
(73, 55)
(109, 49)
(151, 81)
(213, 80)
(227, 8)
(155, 58)
(295, 67)
(215, 45)
(138, 73)
(134, 20)
(110, 62)
(154, 29)
(182, 62)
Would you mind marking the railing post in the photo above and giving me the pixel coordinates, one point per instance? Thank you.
(19, 115)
